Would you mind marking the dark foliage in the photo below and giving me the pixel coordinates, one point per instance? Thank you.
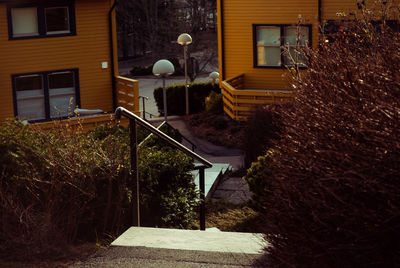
(261, 128)
(176, 97)
(57, 187)
(334, 192)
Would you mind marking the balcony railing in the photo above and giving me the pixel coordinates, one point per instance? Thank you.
(238, 102)
(127, 96)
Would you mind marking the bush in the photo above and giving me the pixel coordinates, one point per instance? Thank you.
(335, 188)
(176, 101)
(257, 178)
(57, 187)
(167, 188)
(214, 103)
(142, 70)
(260, 129)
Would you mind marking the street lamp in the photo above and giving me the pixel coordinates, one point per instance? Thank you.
(214, 76)
(163, 68)
(184, 40)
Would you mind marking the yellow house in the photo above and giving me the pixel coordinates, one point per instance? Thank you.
(251, 35)
(59, 55)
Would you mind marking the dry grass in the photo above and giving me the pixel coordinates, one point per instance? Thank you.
(232, 218)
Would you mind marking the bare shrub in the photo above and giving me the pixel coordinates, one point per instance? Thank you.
(333, 197)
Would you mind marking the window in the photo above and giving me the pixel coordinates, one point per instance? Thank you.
(30, 21)
(46, 95)
(270, 40)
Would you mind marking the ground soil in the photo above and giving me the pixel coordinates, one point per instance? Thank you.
(74, 254)
(217, 129)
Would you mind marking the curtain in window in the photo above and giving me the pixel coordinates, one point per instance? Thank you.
(24, 21)
(268, 46)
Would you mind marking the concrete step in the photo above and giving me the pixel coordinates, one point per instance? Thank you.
(158, 247)
(190, 248)
(233, 190)
(212, 177)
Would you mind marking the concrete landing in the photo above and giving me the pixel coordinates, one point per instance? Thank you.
(210, 241)
(156, 247)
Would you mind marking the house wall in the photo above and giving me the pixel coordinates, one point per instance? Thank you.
(239, 16)
(236, 38)
(85, 51)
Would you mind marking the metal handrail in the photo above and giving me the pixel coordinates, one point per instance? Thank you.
(183, 137)
(133, 121)
(122, 111)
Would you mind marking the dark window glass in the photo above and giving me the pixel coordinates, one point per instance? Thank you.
(57, 20)
(29, 82)
(61, 80)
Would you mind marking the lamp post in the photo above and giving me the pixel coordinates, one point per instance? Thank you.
(214, 76)
(163, 68)
(184, 40)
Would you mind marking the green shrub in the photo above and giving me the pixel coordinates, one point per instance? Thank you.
(176, 101)
(167, 189)
(214, 103)
(257, 180)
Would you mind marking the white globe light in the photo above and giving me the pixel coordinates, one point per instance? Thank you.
(184, 39)
(163, 68)
(214, 75)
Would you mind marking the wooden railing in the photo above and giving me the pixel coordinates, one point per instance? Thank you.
(128, 94)
(238, 102)
(81, 124)
(127, 91)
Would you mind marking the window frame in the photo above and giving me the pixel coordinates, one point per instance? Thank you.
(41, 19)
(46, 93)
(282, 34)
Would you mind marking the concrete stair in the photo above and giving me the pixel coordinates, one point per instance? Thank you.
(212, 177)
(159, 247)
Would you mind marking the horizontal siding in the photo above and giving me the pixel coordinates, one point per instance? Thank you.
(330, 8)
(239, 16)
(84, 51)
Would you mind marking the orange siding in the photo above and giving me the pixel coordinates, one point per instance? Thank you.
(239, 16)
(331, 8)
(85, 51)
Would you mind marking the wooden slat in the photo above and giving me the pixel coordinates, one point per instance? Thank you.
(238, 103)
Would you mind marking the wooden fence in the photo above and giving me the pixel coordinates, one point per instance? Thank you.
(238, 102)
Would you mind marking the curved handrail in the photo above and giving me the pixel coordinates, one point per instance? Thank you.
(122, 111)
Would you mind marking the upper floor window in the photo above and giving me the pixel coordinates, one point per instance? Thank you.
(41, 20)
(270, 42)
(46, 95)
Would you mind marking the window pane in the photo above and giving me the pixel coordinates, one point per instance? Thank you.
(30, 97)
(268, 36)
(293, 56)
(62, 94)
(57, 20)
(24, 21)
(29, 82)
(269, 56)
(291, 34)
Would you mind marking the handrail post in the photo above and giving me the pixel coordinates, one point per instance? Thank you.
(134, 172)
(144, 98)
(202, 200)
(144, 109)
